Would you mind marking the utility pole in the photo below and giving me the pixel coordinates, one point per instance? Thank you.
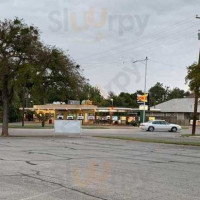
(196, 96)
(145, 88)
(145, 84)
(197, 17)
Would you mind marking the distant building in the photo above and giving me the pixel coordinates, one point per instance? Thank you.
(115, 115)
(86, 113)
(176, 111)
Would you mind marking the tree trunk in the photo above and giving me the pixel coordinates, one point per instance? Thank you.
(23, 109)
(5, 108)
(43, 123)
(195, 113)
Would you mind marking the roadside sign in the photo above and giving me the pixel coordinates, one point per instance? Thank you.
(143, 98)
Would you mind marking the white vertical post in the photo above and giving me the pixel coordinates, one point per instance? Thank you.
(145, 88)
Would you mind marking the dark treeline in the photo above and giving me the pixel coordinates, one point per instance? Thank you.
(158, 94)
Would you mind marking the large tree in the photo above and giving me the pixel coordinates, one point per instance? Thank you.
(91, 93)
(177, 93)
(59, 79)
(122, 100)
(17, 45)
(28, 67)
(158, 94)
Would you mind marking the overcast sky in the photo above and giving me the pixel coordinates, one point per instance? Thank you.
(106, 36)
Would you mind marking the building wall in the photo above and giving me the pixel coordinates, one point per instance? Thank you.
(177, 118)
(180, 116)
(66, 113)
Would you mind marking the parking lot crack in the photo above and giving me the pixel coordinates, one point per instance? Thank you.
(61, 185)
(30, 163)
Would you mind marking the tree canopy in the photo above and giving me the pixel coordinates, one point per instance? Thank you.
(193, 78)
(29, 67)
(160, 93)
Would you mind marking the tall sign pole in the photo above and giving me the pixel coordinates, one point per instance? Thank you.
(197, 17)
(145, 88)
(145, 84)
(199, 39)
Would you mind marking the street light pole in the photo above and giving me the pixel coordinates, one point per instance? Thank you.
(145, 88)
(145, 83)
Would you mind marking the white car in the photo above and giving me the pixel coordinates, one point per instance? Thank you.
(160, 125)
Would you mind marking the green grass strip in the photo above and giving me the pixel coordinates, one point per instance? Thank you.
(149, 140)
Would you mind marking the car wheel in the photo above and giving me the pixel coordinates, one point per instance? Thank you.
(151, 129)
(174, 129)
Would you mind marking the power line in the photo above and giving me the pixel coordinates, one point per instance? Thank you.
(173, 38)
(122, 45)
(158, 62)
(177, 35)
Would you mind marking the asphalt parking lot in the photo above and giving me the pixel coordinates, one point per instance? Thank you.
(88, 168)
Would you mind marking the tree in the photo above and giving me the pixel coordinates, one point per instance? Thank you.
(27, 66)
(158, 94)
(43, 117)
(91, 93)
(177, 93)
(17, 45)
(122, 100)
(193, 79)
(59, 79)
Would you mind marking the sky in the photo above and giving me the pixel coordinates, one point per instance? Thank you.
(106, 37)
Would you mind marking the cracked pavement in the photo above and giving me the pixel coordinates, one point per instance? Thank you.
(87, 168)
